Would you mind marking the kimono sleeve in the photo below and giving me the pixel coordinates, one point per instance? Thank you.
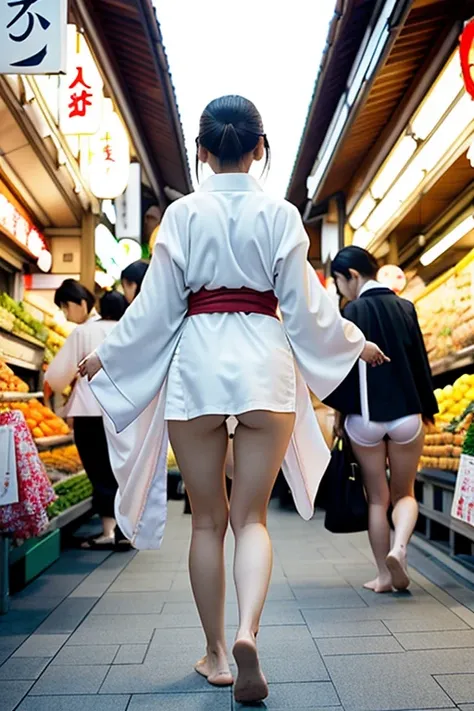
(137, 353)
(421, 367)
(325, 345)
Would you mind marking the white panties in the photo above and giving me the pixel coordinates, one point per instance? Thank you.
(369, 434)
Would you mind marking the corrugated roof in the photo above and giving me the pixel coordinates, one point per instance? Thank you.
(132, 34)
(346, 32)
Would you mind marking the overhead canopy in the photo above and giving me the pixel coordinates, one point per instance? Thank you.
(130, 31)
(346, 33)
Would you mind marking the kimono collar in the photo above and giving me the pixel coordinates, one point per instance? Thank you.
(231, 182)
(369, 285)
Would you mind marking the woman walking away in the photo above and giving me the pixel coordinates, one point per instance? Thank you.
(132, 277)
(82, 406)
(385, 410)
(205, 322)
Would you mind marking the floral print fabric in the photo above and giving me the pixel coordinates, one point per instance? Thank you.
(28, 517)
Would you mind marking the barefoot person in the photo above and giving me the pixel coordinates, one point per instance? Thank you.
(202, 342)
(385, 410)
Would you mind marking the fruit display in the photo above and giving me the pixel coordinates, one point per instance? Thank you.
(9, 382)
(172, 465)
(61, 462)
(445, 439)
(70, 492)
(23, 322)
(446, 313)
(41, 421)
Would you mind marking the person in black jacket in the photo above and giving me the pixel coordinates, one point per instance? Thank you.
(384, 409)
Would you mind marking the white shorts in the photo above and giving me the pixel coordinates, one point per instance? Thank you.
(369, 434)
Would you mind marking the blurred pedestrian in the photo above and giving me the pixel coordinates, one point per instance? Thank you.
(82, 406)
(384, 410)
(132, 277)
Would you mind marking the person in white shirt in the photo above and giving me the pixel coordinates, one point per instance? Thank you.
(82, 406)
(201, 342)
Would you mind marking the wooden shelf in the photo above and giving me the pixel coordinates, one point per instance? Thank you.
(20, 397)
(44, 443)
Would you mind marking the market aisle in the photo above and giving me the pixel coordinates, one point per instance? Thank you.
(120, 633)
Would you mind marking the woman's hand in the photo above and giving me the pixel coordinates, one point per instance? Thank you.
(90, 366)
(373, 355)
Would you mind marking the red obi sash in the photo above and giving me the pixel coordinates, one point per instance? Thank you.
(224, 301)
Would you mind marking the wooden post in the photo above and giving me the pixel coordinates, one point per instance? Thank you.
(88, 251)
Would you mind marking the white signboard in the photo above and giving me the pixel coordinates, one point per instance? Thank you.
(81, 90)
(463, 502)
(8, 473)
(128, 207)
(109, 156)
(33, 36)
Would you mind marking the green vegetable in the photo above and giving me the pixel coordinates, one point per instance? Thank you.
(468, 447)
(71, 491)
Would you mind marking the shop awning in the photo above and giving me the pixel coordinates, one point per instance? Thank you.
(131, 34)
(419, 44)
(346, 33)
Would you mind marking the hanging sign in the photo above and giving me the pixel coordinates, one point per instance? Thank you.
(33, 36)
(23, 233)
(129, 207)
(466, 53)
(109, 156)
(463, 501)
(81, 89)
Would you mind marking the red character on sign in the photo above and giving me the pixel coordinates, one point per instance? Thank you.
(108, 153)
(466, 52)
(79, 102)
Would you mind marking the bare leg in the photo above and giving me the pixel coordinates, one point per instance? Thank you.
(403, 460)
(373, 461)
(200, 447)
(260, 443)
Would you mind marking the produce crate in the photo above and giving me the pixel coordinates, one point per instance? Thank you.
(33, 557)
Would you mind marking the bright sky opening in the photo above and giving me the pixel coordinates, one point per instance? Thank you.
(264, 50)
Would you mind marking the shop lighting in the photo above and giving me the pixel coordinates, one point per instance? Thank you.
(440, 98)
(104, 280)
(450, 239)
(362, 211)
(395, 163)
(108, 209)
(362, 237)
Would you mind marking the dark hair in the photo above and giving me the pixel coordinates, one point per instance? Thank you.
(135, 273)
(230, 127)
(354, 258)
(72, 291)
(113, 305)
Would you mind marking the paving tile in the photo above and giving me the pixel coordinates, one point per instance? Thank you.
(427, 623)
(384, 682)
(328, 597)
(105, 636)
(58, 680)
(372, 628)
(41, 645)
(295, 668)
(142, 582)
(114, 603)
(75, 703)
(308, 696)
(67, 616)
(455, 639)
(459, 687)
(358, 645)
(34, 602)
(169, 676)
(211, 701)
(88, 655)
(131, 654)
(17, 622)
(12, 693)
(8, 644)
(22, 669)
(285, 641)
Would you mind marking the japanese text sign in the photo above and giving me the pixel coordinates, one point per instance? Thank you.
(81, 95)
(33, 36)
(109, 156)
(463, 502)
(21, 230)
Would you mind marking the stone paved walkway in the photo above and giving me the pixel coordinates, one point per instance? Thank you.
(120, 632)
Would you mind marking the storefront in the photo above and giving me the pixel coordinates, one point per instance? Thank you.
(392, 171)
(88, 161)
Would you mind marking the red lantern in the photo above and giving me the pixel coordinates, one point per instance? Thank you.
(466, 52)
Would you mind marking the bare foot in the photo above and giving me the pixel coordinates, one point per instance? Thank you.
(397, 564)
(215, 668)
(251, 686)
(379, 585)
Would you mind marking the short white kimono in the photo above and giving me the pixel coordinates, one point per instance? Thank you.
(160, 365)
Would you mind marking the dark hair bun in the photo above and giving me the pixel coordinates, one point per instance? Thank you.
(355, 258)
(230, 128)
